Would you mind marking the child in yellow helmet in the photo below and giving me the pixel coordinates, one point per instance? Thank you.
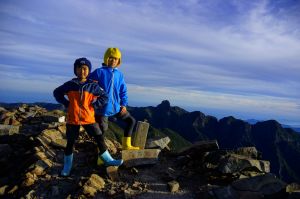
(110, 78)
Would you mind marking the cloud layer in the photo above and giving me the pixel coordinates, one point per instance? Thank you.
(226, 56)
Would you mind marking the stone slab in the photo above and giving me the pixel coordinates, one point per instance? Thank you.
(140, 157)
(140, 136)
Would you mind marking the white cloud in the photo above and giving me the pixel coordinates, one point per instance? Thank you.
(268, 107)
(31, 83)
(234, 48)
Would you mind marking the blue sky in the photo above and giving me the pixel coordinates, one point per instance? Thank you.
(234, 57)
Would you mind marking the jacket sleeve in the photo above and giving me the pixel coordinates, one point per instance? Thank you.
(101, 95)
(59, 94)
(123, 92)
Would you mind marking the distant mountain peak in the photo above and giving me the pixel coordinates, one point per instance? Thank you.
(270, 123)
(228, 118)
(164, 105)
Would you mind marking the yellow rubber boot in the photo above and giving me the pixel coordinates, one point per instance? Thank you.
(126, 144)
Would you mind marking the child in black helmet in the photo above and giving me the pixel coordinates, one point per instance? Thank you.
(83, 95)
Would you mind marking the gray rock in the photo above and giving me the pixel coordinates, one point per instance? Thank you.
(29, 114)
(2, 109)
(6, 121)
(40, 166)
(265, 185)
(94, 184)
(158, 143)
(293, 187)
(30, 178)
(8, 129)
(13, 190)
(31, 194)
(129, 193)
(21, 109)
(173, 186)
(111, 192)
(250, 152)
(112, 172)
(3, 190)
(51, 135)
(199, 147)
(112, 147)
(233, 163)
(225, 193)
(61, 143)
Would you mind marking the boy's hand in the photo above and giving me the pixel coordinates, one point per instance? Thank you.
(123, 110)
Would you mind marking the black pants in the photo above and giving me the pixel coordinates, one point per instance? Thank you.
(127, 118)
(91, 129)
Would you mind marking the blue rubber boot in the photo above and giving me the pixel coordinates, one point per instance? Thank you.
(68, 161)
(108, 160)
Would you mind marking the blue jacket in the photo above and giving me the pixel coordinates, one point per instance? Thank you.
(112, 81)
(82, 99)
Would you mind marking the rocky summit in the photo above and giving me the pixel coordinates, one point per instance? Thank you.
(32, 142)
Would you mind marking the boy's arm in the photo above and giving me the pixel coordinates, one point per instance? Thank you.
(101, 95)
(59, 94)
(123, 92)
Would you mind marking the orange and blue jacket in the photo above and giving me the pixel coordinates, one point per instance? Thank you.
(83, 99)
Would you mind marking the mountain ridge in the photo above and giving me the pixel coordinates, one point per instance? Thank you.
(279, 145)
(54, 106)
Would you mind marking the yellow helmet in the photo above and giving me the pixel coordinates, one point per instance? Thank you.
(112, 52)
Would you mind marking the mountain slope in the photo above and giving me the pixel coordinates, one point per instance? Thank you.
(281, 146)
